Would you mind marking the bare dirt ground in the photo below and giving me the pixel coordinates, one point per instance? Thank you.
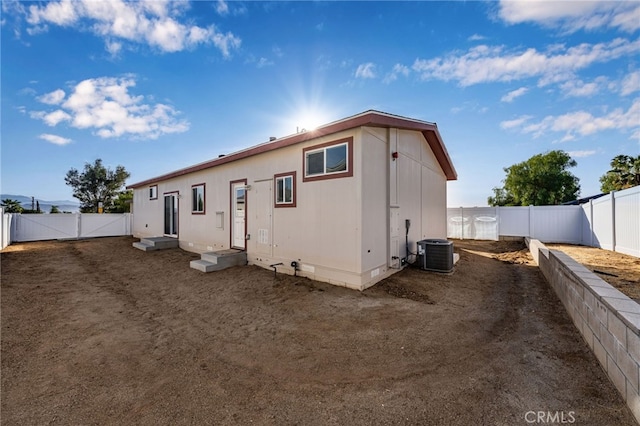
(620, 270)
(97, 332)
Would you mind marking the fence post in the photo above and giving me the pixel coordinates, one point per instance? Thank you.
(78, 225)
(462, 222)
(591, 223)
(613, 220)
(531, 222)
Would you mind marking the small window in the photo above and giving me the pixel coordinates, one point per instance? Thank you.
(153, 192)
(285, 189)
(328, 161)
(197, 199)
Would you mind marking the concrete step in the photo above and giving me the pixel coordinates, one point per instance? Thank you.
(156, 243)
(144, 247)
(205, 266)
(218, 260)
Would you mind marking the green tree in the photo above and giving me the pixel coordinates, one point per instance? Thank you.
(541, 180)
(624, 173)
(11, 206)
(501, 198)
(96, 184)
(122, 203)
(54, 209)
(35, 207)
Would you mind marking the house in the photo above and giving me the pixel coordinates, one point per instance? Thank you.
(344, 203)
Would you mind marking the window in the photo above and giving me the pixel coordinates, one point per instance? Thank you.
(285, 193)
(328, 161)
(197, 199)
(153, 192)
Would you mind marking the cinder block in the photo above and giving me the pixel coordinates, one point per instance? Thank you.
(617, 328)
(633, 402)
(608, 341)
(633, 345)
(609, 292)
(587, 334)
(632, 320)
(578, 321)
(582, 308)
(589, 299)
(594, 323)
(600, 352)
(601, 311)
(628, 367)
(578, 288)
(626, 305)
(593, 280)
(616, 376)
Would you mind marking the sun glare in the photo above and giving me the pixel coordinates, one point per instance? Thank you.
(309, 120)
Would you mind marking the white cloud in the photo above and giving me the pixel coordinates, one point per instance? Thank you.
(155, 23)
(398, 69)
(56, 117)
(578, 88)
(367, 70)
(471, 106)
(226, 42)
(54, 139)
(113, 47)
(580, 123)
(222, 8)
(484, 64)
(509, 97)
(53, 98)
(517, 122)
(630, 84)
(581, 154)
(264, 62)
(105, 105)
(571, 16)
(476, 37)
(60, 13)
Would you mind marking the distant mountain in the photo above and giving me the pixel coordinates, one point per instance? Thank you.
(45, 206)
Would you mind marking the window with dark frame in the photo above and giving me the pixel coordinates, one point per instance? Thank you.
(153, 192)
(328, 161)
(285, 189)
(197, 199)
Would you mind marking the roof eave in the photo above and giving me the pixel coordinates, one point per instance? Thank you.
(368, 118)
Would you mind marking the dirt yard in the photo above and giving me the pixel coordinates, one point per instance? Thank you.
(620, 270)
(97, 332)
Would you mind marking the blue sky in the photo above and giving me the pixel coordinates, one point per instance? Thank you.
(157, 86)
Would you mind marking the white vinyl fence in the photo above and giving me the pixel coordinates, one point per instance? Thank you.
(611, 222)
(5, 230)
(38, 227)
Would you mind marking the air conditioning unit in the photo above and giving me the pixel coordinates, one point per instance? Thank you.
(435, 255)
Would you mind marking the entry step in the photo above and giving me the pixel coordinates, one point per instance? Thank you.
(156, 243)
(219, 260)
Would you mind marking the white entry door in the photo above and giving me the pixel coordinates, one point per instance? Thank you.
(238, 215)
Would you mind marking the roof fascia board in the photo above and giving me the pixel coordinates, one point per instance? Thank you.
(368, 118)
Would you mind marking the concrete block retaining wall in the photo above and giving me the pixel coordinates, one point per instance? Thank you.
(608, 320)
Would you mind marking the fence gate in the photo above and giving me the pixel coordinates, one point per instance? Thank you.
(40, 227)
